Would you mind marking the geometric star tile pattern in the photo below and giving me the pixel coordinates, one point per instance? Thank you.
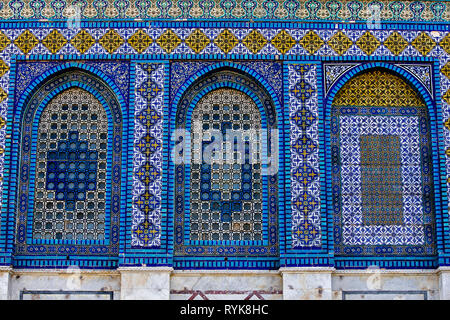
(226, 41)
(140, 41)
(111, 41)
(3, 68)
(446, 96)
(26, 41)
(4, 41)
(311, 42)
(283, 42)
(368, 43)
(446, 70)
(254, 41)
(168, 40)
(340, 43)
(3, 95)
(197, 41)
(423, 43)
(395, 43)
(82, 41)
(54, 41)
(445, 43)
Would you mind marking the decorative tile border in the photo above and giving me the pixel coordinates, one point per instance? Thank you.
(155, 249)
(247, 10)
(147, 159)
(304, 155)
(197, 38)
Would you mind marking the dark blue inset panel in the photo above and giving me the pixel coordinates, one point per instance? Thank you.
(72, 170)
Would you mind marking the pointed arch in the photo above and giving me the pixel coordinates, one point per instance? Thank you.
(402, 96)
(218, 79)
(42, 92)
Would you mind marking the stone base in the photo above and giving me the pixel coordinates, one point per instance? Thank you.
(5, 276)
(165, 283)
(307, 283)
(231, 285)
(444, 283)
(64, 284)
(382, 284)
(145, 283)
